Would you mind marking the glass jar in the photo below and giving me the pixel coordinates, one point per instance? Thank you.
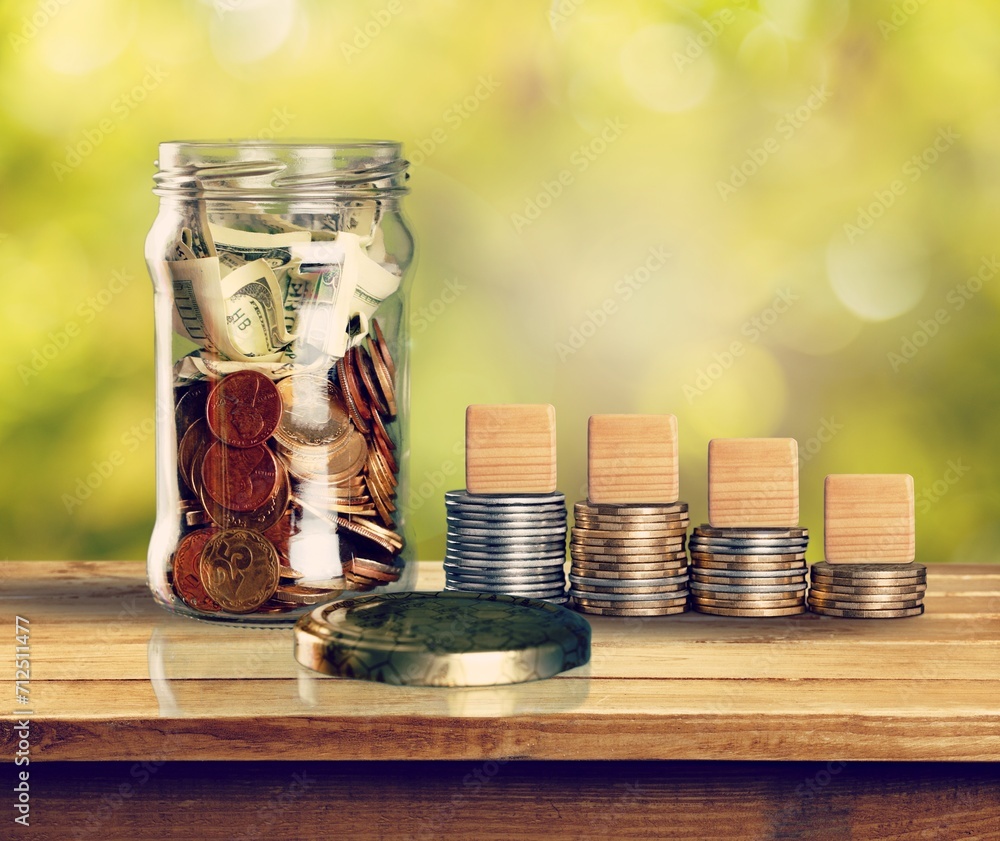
(281, 375)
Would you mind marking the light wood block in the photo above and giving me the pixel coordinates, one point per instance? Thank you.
(753, 482)
(869, 518)
(510, 448)
(632, 458)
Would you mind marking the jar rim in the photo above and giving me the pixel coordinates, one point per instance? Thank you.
(265, 169)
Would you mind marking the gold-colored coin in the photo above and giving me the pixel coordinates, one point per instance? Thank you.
(301, 594)
(615, 509)
(603, 521)
(867, 614)
(628, 559)
(597, 601)
(881, 572)
(611, 571)
(239, 569)
(313, 411)
(628, 533)
(897, 604)
(746, 602)
(916, 590)
(751, 612)
(746, 562)
(665, 589)
(702, 578)
(631, 611)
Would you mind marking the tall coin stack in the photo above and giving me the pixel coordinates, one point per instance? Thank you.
(506, 533)
(870, 545)
(627, 545)
(750, 560)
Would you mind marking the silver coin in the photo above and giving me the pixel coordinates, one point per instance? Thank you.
(638, 598)
(510, 544)
(604, 521)
(723, 561)
(519, 574)
(715, 543)
(557, 562)
(527, 592)
(631, 532)
(628, 582)
(867, 614)
(886, 590)
(746, 582)
(624, 508)
(520, 521)
(463, 497)
(485, 553)
(506, 532)
(750, 573)
(549, 587)
(623, 574)
(732, 588)
(880, 572)
(700, 548)
(755, 533)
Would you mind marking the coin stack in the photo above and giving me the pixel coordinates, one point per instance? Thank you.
(869, 540)
(748, 572)
(750, 560)
(627, 545)
(506, 533)
(507, 543)
(288, 483)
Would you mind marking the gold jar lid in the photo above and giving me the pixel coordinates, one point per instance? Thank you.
(442, 639)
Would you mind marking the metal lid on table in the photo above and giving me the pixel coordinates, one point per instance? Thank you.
(442, 639)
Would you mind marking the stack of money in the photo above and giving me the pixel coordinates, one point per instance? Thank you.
(506, 533)
(629, 559)
(870, 545)
(507, 543)
(867, 591)
(627, 545)
(748, 572)
(750, 559)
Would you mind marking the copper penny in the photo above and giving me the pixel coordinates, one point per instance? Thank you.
(382, 347)
(355, 386)
(241, 479)
(189, 402)
(239, 569)
(187, 577)
(191, 453)
(244, 409)
(260, 518)
(385, 383)
(343, 376)
(366, 369)
(382, 432)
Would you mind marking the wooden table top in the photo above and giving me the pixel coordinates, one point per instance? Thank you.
(115, 677)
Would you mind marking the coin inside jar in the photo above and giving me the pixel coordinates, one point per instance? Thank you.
(244, 409)
(241, 479)
(239, 569)
(313, 411)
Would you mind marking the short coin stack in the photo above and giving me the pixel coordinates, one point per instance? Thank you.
(507, 532)
(868, 591)
(751, 560)
(627, 547)
(507, 543)
(629, 559)
(748, 571)
(869, 539)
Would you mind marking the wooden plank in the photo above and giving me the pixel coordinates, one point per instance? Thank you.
(548, 801)
(557, 719)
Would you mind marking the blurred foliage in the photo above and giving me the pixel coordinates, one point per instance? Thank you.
(782, 152)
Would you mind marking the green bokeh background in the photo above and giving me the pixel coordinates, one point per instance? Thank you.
(775, 150)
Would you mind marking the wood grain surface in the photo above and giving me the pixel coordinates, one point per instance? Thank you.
(114, 677)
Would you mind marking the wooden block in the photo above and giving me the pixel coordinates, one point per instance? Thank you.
(632, 458)
(753, 482)
(510, 448)
(869, 518)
